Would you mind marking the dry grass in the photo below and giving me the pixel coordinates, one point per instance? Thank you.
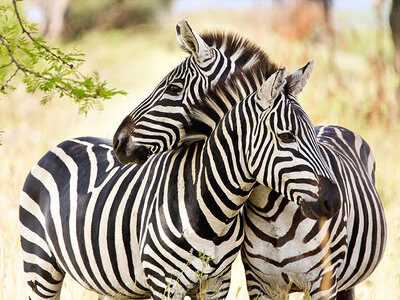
(137, 59)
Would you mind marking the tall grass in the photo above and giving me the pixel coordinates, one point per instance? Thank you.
(356, 91)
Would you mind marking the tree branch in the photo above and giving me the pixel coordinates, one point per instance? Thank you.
(46, 68)
(23, 69)
(13, 60)
(8, 80)
(6, 65)
(24, 31)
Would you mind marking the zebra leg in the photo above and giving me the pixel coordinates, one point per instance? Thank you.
(252, 282)
(216, 287)
(259, 289)
(326, 287)
(346, 295)
(255, 284)
(255, 290)
(42, 272)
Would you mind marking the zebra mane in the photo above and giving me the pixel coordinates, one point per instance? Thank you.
(217, 101)
(232, 44)
(252, 65)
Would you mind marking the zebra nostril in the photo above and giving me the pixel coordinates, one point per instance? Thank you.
(329, 195)
(327, 206)
(331, 205)
(115, 143)
(120, 141)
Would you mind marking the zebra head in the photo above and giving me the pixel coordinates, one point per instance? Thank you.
(284, 154)
(158, 123)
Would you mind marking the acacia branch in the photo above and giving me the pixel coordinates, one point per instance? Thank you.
(13, 60)
(23, 69)
(61, 72)
(9, 79)
(24, 31)
(6, 65)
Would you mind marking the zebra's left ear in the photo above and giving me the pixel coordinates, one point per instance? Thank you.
(271, 88)
(191, 41)
(297, 80)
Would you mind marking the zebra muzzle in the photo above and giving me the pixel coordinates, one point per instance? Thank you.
(328, 203)
(128, 152)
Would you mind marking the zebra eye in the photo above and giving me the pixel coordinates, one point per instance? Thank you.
(286, 137)
(173, 89)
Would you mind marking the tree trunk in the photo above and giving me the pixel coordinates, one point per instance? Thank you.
(394, 20)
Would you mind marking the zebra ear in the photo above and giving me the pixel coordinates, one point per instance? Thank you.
(192, 42)
(297, 80)
(271, 88)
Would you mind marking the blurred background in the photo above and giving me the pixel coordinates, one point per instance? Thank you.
(355, 84)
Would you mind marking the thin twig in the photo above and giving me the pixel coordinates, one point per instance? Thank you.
(80, 87)
(9, 79)
(13, 60)
(34, 40)
(7, 65)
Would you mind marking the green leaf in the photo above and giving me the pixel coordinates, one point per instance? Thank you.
(47, 68)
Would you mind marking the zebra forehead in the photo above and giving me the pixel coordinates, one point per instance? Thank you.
(299, 112)
(295, 106)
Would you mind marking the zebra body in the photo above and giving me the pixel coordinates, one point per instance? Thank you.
(122, 231)
(283, 248)
(91, 168)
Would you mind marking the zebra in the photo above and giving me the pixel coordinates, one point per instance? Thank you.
(324, 258)
(136, 231)
(282, 248)
(213, 61)
(214, 57)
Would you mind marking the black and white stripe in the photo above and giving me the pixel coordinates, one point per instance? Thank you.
(152, 127)
(138, 230)
(323, 258)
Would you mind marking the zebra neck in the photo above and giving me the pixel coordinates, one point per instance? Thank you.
(223, 173)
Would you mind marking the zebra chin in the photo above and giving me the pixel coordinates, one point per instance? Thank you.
(313, 211)
(321, 208)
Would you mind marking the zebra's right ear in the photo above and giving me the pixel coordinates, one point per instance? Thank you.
(271, 88)
(191, 41)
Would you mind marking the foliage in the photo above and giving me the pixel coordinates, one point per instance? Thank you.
(205, 259)
(44, 68)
